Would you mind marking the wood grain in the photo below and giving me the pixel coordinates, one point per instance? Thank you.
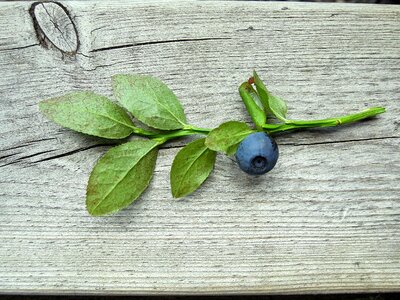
(326, 219)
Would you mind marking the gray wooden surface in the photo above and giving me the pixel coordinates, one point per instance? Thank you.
(326, 219)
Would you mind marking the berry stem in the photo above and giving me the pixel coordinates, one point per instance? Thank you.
(196, 129)
(331, 122)
(140, 131)
(340, 120)
(187, 130)
(269, 128)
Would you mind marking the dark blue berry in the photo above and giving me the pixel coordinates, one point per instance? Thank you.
(257, 153)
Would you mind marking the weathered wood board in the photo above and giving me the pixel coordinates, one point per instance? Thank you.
(326, 219)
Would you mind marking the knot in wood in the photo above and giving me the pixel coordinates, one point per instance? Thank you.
(54, 27)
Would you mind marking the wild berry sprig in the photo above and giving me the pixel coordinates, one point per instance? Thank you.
(122, 174)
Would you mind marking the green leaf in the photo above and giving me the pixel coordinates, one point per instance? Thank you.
(150, 101)
(232, 149)
(250, 99)
(120, 176)
(227, 135)
(278, 107)
(88, 113)
(191, 167)
(272, 104)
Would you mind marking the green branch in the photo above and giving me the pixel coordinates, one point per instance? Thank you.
(331, 122)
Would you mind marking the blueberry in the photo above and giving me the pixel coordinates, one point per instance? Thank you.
(257, 153)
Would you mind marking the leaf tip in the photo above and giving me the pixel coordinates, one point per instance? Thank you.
(90, 205)
(41, 105)
(175, 195)
(91, 211)
(255, 75)
(116, 75)
(44, 107)
(115, 78)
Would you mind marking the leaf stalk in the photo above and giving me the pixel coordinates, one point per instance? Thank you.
(330, 122)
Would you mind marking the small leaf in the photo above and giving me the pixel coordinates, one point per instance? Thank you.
(232, 149)
(191, 167)
(250, 99)
(272, 104)
(120, 176)
(88, 113)
(150, 101)
(227, 135)
(278, 107)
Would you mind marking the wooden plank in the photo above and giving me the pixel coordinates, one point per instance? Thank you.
(325, 220)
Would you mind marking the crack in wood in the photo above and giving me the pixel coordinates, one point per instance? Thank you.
(250, 28)
(25, 157)
(14, 147)
(171, 147)
(155, 43)
(98, 66)
(28, 143)
(9, 155)
(71, 152)
(84, 55)
(161, 148)
(19, 47)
